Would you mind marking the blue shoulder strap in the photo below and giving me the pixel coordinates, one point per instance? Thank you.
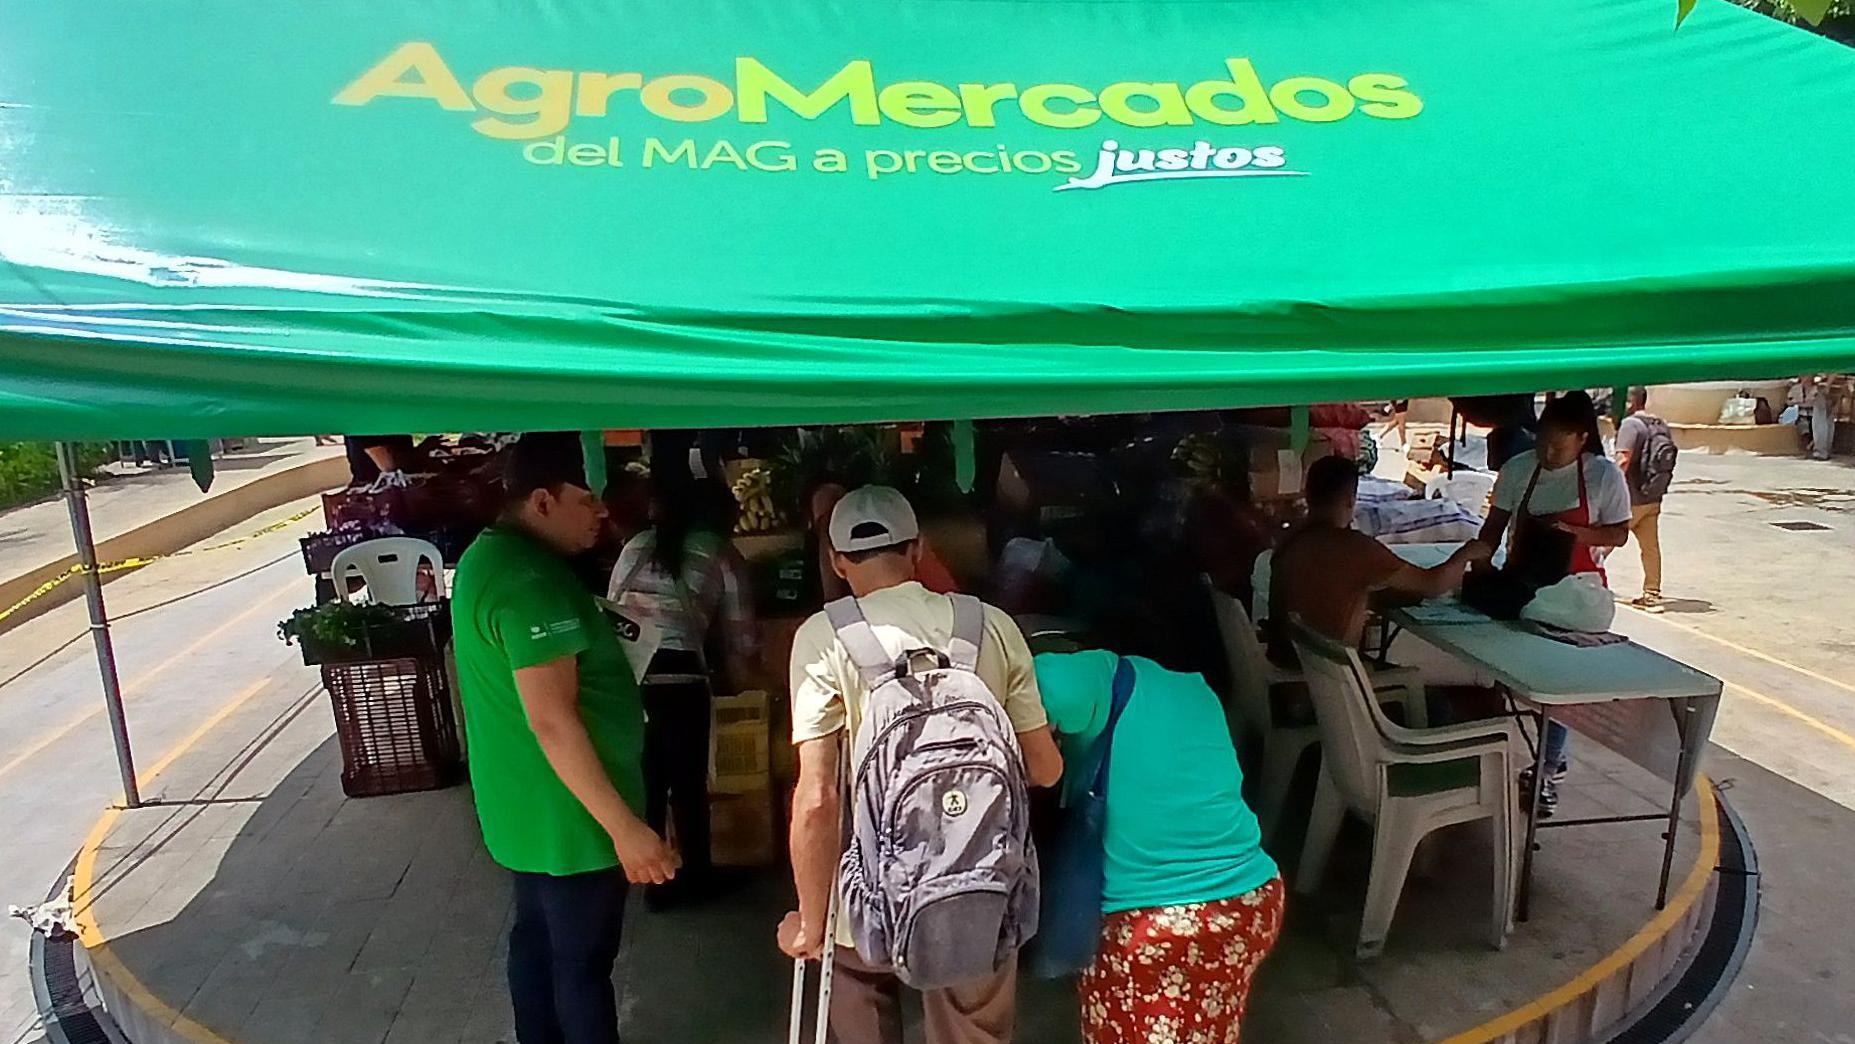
(1104, 743)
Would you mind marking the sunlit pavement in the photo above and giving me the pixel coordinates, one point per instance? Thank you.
(1764, 608)
(179, 663)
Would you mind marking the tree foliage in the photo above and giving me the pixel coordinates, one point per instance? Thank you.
(29, 470)
(1809, 12)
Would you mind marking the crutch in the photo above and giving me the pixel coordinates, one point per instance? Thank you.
(827, 957)
(796, 1032)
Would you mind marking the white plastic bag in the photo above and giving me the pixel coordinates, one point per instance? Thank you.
(1740, 409)
(1577, 603)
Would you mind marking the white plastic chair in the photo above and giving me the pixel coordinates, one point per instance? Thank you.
(1262, 692)
(1471, 489)
(389, 566)
(1407, 783)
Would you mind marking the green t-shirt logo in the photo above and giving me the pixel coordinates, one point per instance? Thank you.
(553, 630)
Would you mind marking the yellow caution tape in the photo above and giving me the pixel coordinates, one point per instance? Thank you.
(125, 564)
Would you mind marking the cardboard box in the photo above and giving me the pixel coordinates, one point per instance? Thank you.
(748, 706)
(1418, 476)
(1277, 472)
(742, 830)
(741, 760)
(739, 756)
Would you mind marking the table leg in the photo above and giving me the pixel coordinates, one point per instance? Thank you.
(1674, 806)
(1524, 901)
(1387, 633)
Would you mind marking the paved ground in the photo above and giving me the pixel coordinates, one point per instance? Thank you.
(179, 663)
(1764, 608)
(259, 903)
(1798, 984)
(1767, 609)
(36, 534)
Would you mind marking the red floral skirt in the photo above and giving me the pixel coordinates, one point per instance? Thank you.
(1179, 974)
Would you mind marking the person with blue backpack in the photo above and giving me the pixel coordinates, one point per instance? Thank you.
(911, 850)
(1187, 902)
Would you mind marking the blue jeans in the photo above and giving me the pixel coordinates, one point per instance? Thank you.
(1557, 738)
(561, 951)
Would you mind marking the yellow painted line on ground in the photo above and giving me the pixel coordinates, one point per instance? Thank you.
(1784, 708)
(1839, 735)
(125, 564)
(84, 877)
(86, 873)
(1754, 653)
(1690, 893)
(225, 711)
(141, 680)
(106, 966)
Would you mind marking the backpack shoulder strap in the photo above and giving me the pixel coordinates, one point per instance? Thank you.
(968, 632)
(866, 651)
(1103, 749)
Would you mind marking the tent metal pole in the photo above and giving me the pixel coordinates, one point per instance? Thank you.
(99, 620)
(1455, 414)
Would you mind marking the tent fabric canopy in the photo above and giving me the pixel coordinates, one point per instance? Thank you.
(219, 217)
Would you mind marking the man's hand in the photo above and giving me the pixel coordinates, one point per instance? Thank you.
(1437, 580)
(1476, 552)
(796, 942)
(645, 856)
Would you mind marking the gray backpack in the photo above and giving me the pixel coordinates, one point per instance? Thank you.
(939, 877)
(1655, 460)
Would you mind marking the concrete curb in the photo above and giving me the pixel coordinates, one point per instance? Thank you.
(212, 513)
(1599, 1002)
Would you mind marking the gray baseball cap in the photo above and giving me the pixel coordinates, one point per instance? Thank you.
(870, 518)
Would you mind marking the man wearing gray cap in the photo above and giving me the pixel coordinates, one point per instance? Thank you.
(875, 544)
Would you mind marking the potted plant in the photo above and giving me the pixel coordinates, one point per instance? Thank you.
(347, 632)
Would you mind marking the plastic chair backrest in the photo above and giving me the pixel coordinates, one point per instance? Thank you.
(1352, 747)
(1243, 652)
(389, 566)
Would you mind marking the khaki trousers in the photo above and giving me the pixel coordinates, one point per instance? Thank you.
(866, 1006)
(1646, 527)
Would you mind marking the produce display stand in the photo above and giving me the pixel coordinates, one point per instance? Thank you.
(396, 726)
(396, 717)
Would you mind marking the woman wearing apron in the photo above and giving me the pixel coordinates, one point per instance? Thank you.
(1562, 506)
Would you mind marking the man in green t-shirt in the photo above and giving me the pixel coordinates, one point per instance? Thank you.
(556, 729)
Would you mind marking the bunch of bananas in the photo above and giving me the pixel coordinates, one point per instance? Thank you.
(759, 512)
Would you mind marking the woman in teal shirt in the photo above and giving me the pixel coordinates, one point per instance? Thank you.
(1191, 903)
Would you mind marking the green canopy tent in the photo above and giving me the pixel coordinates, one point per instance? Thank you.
(224, 217)
(291, 217)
